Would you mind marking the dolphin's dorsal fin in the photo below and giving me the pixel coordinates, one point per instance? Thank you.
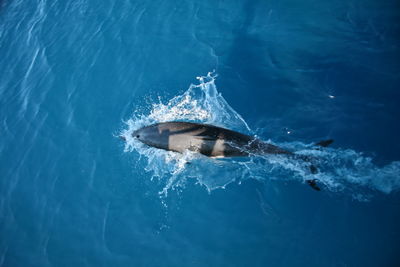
(324, 143)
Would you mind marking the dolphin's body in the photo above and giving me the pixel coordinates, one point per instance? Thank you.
(214, 141)
(208, 140)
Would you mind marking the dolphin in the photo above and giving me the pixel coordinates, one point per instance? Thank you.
(209, 140)
(213, 141)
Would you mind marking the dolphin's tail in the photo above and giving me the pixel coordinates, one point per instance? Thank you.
(313, 168)
(313, 184)
(324, 143)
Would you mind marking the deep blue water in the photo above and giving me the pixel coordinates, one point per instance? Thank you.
(76, 74)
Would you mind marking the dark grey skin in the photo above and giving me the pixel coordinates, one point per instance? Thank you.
(209, 140)
(213, 141)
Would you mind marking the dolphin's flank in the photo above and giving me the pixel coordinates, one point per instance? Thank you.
(211, 141)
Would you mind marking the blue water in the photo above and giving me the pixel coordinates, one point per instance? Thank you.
(74, 75)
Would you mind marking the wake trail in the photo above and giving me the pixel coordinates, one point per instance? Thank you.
(343, 170)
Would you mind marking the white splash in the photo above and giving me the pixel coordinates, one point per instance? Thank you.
(339, 169)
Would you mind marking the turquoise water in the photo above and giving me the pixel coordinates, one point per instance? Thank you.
(77, 74)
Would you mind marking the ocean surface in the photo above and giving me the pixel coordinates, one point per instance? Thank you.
(75, 75)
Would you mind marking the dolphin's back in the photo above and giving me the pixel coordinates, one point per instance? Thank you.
(213, 141)
(209, 140)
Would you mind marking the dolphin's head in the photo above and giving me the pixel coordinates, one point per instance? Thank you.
(152, 136)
